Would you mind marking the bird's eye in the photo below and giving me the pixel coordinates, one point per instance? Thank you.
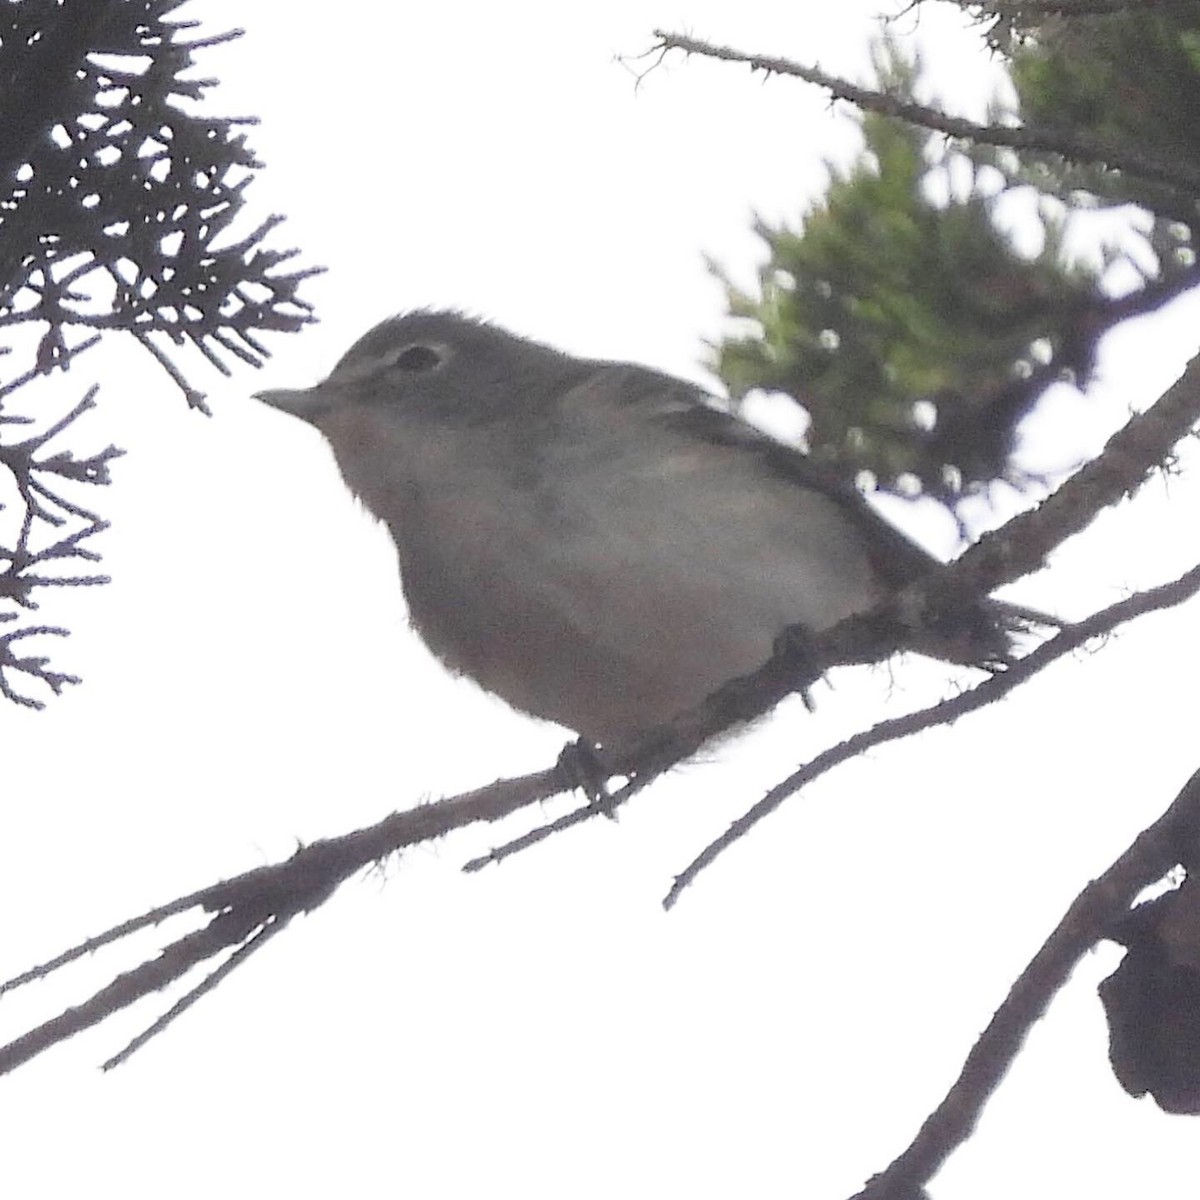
(417, 359)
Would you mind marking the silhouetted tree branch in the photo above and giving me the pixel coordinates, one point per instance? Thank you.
(1071, 144)
(1050, 301)
(261, 902)
(117, 198)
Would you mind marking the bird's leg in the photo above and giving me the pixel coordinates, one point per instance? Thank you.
(581, 765)
(795, 647)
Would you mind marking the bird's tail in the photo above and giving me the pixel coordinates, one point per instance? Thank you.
(982, 633)
(1011, 621)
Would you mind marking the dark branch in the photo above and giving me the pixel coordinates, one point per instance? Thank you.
(1073, 145)
(1096, 911)
(1070, 638)
(274, 894)
(119, 207)
(267, 896)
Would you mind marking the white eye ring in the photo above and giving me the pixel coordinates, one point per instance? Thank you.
(417, 358)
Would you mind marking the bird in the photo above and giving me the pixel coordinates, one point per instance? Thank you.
(599, 543)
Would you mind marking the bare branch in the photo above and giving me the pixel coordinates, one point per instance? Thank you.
(274, 894)
(250, 903)
(1006, 554)
(1097, 909)
(1069, 639)
(1073, 145)
(254, 941)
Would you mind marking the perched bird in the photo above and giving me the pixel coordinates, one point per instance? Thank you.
(596, 542)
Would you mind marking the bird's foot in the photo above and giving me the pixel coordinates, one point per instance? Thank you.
(580, 765)
(795, 646)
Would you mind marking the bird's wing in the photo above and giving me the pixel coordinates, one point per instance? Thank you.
(696, 414)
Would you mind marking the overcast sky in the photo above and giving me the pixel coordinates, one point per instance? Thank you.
(544, 1029)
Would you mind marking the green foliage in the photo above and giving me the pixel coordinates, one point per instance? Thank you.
(1131, 76)
(908, 327)
(1128, 78)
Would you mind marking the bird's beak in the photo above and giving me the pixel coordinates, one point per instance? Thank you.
(306, 403)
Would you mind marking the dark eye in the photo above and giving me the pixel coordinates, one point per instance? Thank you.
(417, 358)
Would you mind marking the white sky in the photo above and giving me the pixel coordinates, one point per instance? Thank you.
(544, 1029)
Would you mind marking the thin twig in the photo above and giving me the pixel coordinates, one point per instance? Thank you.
(253, 942)
(195, 398)
(1073, 145)
(251, 901)
(1070, 638)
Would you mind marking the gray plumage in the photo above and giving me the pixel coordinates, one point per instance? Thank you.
(594, 541)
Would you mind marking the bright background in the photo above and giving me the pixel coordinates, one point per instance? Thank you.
(544, 1029)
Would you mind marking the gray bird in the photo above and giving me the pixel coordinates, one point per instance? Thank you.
(596, 542)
